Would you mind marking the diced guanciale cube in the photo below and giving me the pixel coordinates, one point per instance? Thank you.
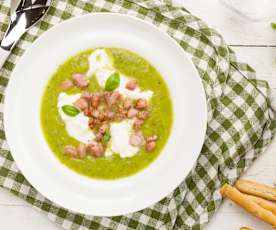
(131, 84)
(80, 80)
(67, 84)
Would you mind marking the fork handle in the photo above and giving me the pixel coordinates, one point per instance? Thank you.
(3, 56)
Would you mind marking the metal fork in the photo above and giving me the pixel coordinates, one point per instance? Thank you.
(24, 17)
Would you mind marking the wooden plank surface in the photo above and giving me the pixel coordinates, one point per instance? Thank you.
(236, 30)
(262, 59)
(254, 43)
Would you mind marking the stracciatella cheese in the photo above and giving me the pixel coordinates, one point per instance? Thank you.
(77, 127)
(101, 65)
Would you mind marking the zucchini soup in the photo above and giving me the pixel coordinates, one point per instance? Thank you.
(106, 113)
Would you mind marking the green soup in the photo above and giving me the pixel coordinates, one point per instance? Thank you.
(159, 122)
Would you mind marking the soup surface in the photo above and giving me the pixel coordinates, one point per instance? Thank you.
(106, 113)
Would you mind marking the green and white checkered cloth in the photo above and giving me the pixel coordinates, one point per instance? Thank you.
(241, 122)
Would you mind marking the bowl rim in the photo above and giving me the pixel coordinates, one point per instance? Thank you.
(8, 93)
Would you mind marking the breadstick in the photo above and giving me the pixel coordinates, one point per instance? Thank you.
(270, 206)
(256, 189)
(245, 228)
(248, 204)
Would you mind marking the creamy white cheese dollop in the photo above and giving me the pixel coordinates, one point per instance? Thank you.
(77, 127)
(101, 65)
(97, 60)
(120, 134)
(133, 94)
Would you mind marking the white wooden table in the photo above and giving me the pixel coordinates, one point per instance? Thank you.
(254, 43)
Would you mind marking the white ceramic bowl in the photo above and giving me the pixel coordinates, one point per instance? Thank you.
(31, 152)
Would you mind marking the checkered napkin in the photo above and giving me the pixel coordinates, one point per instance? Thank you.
(240, 119)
